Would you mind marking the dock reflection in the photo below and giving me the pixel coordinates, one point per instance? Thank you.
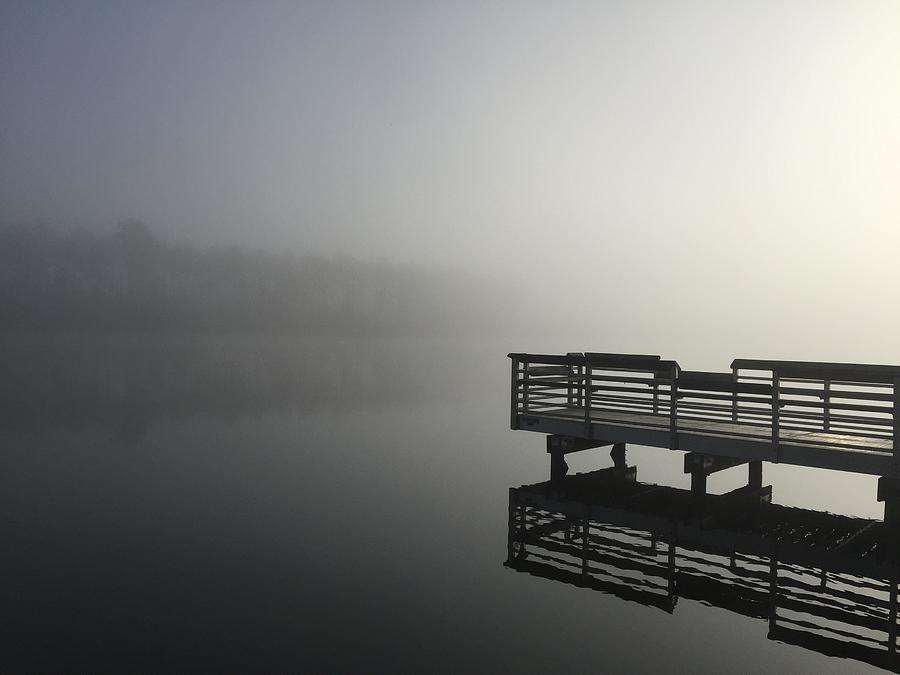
(821, 581)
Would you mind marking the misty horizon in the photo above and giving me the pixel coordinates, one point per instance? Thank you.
(646, 174)
(128, 278)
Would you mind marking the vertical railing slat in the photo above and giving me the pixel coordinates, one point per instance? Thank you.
(580, 385)
(776, 412)
(586, 392)
(525, 386)
(655, 395)
(655, 375)
(734, 396)
(514, 395)
(673, 409)
(896, 428)
(826, 406)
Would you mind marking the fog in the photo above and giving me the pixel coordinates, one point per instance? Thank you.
(261, 264)
(128, 279)
(654, 171)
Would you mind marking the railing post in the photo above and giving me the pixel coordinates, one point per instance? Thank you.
(656, 393)
(573, 398)
(525, 386)
(673, 409)
(776, 412)
(896, 433)
(826, 412)
(586, 392)
(514, 395)
(580, 389)
(734, 401)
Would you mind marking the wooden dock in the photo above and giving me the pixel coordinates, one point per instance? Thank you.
(840, 416)
(821, 581)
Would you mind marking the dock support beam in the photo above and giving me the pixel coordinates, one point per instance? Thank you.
(700, 466)
(560, 446)
(618, 455)
(698, 484)
(567, 444)
(558, 467)
(889, 493)
(754, 478)
(707, 464)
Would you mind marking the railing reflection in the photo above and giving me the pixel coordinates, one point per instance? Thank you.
(823, 582)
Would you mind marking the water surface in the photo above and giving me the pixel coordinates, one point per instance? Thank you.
(246, 503)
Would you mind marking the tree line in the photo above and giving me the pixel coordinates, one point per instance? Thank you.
(130, 279)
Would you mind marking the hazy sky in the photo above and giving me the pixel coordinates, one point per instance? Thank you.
(716, 149)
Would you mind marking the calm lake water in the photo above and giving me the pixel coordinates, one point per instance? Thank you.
(298, 505)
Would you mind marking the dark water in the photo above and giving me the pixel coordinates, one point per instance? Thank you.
(248, 504)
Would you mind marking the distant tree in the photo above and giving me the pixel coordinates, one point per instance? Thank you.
(130, 279)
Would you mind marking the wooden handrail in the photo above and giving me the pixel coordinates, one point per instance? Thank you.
(637, 361)
(725, 382)
(850, 372)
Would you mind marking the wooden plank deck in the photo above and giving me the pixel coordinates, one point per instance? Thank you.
(814, 448)
(725, 429)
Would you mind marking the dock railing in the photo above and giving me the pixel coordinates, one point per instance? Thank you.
(629, 384)
(830, 405)
(840, 405)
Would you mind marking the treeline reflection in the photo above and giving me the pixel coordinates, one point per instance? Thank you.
(127, 383)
